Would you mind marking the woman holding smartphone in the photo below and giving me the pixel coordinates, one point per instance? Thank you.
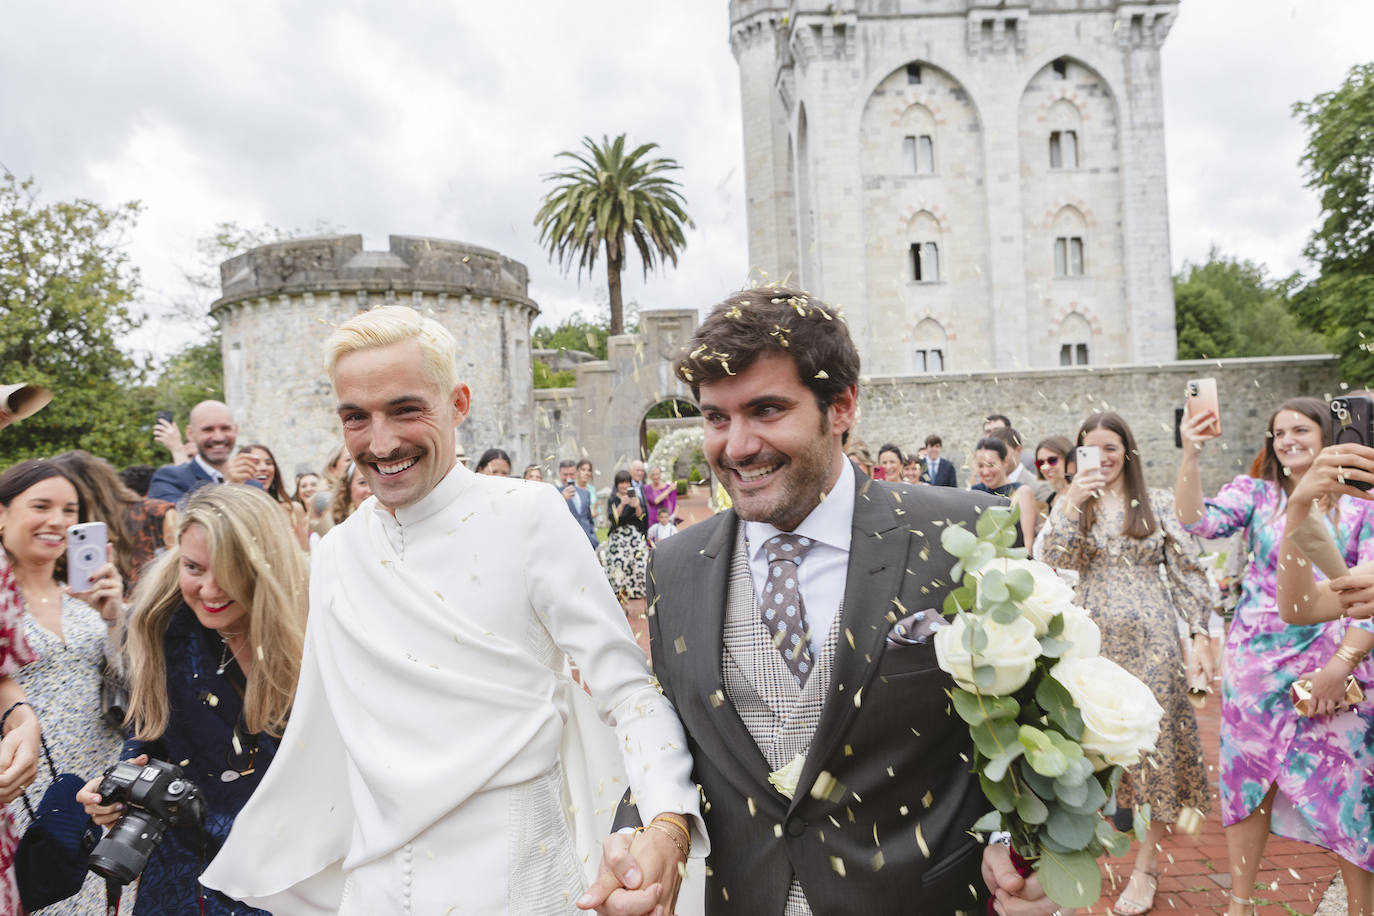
(214, 646)
(1281, 772)
(71, 633)
(1115, 533)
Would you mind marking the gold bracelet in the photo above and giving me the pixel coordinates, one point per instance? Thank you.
(1350, 654)
(685, 850)
(667, 821)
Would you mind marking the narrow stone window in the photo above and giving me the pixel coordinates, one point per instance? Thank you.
(925, 262)
(930, 360)
(909, 155)
(1060, 67)
(1068, 256)
(1063, 149)
(918, 155)
(1073, 354)
(913, 74)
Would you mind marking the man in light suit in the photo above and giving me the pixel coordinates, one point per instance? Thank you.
(795, 628)
(211, 426)
(938, 471)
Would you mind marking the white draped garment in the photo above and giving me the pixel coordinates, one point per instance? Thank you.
(435, 737)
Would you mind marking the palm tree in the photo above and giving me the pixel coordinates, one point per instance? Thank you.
(606, 196)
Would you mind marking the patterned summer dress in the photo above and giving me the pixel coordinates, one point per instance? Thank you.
(1321, 764)
(63, 687)
(14, 653)
(1121, 586)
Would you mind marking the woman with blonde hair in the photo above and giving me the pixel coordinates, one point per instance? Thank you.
(214, 647)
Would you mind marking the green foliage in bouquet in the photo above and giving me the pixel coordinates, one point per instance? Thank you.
(1046, 790)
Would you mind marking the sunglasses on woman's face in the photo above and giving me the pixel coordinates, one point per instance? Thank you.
(1047, 462)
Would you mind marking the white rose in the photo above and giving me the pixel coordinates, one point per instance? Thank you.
(1120, 714)
(1011, 651)
(1051, 595)
(1080, 630)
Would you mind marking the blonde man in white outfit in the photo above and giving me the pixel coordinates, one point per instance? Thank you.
(436, 741)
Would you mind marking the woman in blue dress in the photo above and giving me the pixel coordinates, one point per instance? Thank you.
(214, 646)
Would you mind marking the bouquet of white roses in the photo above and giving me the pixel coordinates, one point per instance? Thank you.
(1052, 721)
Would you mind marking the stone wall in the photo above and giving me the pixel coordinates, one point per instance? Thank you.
(281, 301)
(1040, 403)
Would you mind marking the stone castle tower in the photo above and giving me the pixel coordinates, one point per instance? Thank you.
(979, 183)
(279, 302)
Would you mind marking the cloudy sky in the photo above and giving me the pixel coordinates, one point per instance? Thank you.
(440, 118)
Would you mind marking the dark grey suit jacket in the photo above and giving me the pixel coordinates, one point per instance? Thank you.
(886, 733)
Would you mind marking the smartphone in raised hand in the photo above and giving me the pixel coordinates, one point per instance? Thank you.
(1087, 458)
(85, 553)
(1202, 397)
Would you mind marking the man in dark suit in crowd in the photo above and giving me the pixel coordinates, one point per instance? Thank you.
(579, 498)
(212, 428)
(795, 628)
(938, 471)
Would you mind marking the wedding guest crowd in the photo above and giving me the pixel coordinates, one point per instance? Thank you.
(185, 645)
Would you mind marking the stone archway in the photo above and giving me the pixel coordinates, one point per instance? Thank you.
(663, 417)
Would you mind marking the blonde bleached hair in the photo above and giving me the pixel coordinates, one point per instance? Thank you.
(258, 562)
(393, 324)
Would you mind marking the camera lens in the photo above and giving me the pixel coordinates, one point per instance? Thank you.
(122, 855)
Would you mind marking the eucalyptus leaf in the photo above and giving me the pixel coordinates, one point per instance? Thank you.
(1072, 830)
(1093, 802)
(1042, 754)
(976, 708)
(1020, 583)
(1043, 786)
(1057, 702)
(980, 636)
(1070, 879)
(1050, 647)
(996, 768)
(996, 738)
(1005, 537)
(992, 589)
(988, 523)
(981, 556)
(1004, 613)
(1056, 627)
(1142, 822)
(988, 822)
(984, 676)
(1070, 792)
(1030, 808)
(1048, 842)
(1001, 794)
(1113, 841)
(958, 541)
(1016, 553)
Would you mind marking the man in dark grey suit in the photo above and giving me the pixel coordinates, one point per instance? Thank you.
(794, 631)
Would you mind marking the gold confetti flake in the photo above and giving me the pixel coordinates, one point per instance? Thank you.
(680, 645)
(838, 864)
(904, 811)
(927, 800)
(878, 860)
(921, 842)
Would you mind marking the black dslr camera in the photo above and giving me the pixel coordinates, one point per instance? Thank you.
(156, 797)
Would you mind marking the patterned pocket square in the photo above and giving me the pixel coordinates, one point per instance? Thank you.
(916, 629)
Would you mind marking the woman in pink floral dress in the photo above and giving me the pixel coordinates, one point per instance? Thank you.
(1304, 778)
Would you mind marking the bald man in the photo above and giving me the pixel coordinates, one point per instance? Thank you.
(213, 430)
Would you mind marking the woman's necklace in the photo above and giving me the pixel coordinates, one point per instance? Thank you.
(227, 653)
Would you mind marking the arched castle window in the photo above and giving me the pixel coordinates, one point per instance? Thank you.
(918, 141)
(931, 346)
(923, 252)
(1075, 337)
(1065, 121)
(1070, 230)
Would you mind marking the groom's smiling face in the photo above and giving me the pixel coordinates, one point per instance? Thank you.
(397, 425)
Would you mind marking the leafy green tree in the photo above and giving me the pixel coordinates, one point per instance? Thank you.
(1228, 307)
(606, 195)
(1339, 163)
(66, 289)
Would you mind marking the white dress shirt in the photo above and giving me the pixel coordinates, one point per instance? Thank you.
(822, 574)
(215, 475)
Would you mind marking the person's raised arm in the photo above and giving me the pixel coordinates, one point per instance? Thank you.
(1301, 599)
(1188, 498)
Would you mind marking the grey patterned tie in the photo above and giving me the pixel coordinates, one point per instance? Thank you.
(784, 614)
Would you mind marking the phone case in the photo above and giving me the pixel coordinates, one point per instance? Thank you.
(85, 553)
(1202, 396)
(1087, 457)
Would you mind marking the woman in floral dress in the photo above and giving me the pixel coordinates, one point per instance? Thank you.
(70, 634)
(1303, 778)
(627, 553)
(1116, 534)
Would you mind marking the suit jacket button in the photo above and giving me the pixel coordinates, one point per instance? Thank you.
(795, 826)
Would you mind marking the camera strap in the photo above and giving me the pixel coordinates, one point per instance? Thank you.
(113, 889)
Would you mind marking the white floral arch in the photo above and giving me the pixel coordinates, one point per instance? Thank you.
(673, 445)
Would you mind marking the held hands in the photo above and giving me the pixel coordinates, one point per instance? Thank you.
(640, 876)
(1200, 664)
(19, 755)
(1012, 894)
(90, 799)
(106, 593)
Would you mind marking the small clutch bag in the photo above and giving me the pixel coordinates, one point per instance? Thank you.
(1301, 693)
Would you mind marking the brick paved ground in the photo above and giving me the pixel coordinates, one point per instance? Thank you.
(1293, 876)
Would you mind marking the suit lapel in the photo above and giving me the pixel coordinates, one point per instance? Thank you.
(878, 558)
